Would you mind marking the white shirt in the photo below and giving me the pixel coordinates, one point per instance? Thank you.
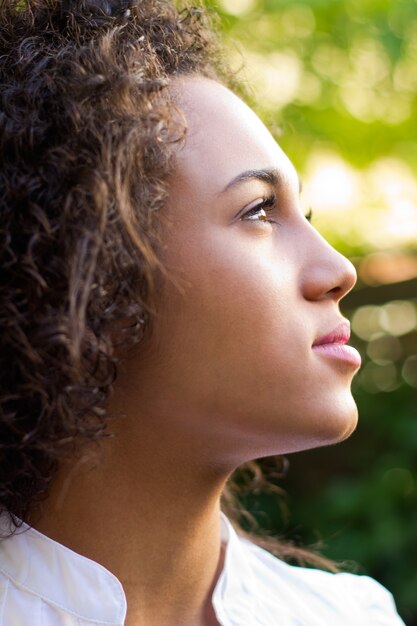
(43, 583)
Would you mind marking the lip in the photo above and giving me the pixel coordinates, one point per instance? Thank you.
(333, 345)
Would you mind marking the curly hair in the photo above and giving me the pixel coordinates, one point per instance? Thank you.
(87, 131)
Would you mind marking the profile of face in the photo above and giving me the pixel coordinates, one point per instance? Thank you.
(230, 367)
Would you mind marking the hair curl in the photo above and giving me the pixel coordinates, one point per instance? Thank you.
(87, 131)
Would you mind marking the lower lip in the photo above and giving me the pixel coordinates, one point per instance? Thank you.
(340, 351)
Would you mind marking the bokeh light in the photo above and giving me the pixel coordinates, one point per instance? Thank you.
(398, 317)
(366, 321)
(409, 370)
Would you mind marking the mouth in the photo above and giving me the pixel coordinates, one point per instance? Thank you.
(333, 345)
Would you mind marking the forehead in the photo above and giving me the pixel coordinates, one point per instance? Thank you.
(224, 137)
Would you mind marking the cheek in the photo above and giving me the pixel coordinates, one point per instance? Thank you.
(251, 313)
(236, 325)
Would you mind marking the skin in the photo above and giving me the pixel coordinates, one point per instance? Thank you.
(226, 375)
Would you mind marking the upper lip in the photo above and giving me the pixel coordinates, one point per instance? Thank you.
(340, 334)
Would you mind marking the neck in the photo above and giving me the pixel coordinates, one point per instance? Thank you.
(152, 519)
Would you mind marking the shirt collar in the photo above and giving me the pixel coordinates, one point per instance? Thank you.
(234, 594)
(62, 577)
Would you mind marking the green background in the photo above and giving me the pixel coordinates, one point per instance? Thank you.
(336, 81)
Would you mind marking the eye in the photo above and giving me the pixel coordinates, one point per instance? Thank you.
(259, 211)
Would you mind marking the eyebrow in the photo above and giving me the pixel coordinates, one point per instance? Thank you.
(269, 175)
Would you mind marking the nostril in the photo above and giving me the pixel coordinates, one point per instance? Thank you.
(335, 291)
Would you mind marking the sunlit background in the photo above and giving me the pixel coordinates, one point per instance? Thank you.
(336, 82)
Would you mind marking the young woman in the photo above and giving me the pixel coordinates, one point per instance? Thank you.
(168, 314)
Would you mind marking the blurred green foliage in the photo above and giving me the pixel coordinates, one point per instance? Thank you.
(336, 81)
(351, 64)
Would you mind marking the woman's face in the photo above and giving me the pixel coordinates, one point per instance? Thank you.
(230, 362)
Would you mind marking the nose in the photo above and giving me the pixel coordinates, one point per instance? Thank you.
(327, 274)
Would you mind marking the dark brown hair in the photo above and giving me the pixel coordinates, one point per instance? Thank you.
(87, 131)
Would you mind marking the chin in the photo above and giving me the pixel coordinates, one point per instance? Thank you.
(342, 422)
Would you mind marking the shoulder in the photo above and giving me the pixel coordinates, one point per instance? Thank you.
(335, 598)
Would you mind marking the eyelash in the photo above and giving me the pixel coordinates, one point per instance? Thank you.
(268, 204)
